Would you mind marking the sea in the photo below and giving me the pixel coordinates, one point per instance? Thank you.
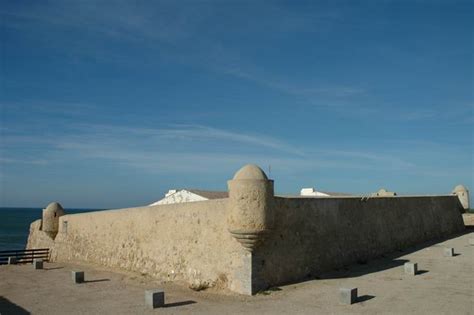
(15, 225)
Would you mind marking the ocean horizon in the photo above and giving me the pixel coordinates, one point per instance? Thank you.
(15, 225)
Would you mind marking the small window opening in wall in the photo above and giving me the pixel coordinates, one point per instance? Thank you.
(55, 214)
(64, 226)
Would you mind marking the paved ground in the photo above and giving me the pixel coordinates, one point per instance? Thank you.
(445, 285)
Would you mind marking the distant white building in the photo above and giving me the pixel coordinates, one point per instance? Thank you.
(313, 192)
(189, 195)
(192, 195)
(384, 193)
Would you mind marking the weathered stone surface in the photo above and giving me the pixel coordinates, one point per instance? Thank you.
(154, 298)
(312, 235)
(187, 241)
(348, 296)
(410, 268)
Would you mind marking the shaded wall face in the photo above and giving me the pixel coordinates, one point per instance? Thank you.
(313, 235)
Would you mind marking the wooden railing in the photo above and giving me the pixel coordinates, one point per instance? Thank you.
(24, 255)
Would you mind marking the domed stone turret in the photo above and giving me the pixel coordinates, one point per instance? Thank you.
(250, 215)
(463, 195)
(51, 214)
(250, 171)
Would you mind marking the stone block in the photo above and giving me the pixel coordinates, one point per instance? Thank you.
(411, 268)
(77, 276)
(471, 241)
(348, 296)
(155, 298)
(448, 252)
(38, 263)
(12, 260)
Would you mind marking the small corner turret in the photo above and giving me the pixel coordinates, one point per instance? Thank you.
(50, 219)
(463, 195)
(250, 216)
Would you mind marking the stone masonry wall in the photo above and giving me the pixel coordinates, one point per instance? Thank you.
(186, 241)
(195, 243)
(312, 235)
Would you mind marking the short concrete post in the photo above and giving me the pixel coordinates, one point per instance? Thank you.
(11, 260)
(448, 252)
(38, 263)
(411, 268)
(348, 296)
(77, 276)
(471, 241)
(155, 298)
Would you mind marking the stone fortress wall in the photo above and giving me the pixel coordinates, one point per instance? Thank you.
(318, 234)
(251, 240)
(183, 241)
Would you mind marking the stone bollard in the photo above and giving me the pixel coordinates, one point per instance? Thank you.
(411, 268)
(77, 276)
(155, 298)
(348, 296)
(448, 252)
(38, 263)
(12, 260)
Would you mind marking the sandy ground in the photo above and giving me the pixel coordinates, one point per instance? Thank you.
(445, 285)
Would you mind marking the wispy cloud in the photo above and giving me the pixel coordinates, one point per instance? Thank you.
(22, 161)
(186, 149)
(305, 89)
(50, 109)
(179, 33)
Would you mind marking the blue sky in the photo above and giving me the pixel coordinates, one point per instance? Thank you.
(110, 104)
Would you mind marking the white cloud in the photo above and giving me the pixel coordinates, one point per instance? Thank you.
(189, 148)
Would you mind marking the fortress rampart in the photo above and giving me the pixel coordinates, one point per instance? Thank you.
(251, 240)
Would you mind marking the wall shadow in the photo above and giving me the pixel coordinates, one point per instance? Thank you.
(8, 307)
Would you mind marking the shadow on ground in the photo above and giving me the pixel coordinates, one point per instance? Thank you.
(175, 304)
(8, 307)
(364, 298)
(53, 268)
(97, 280)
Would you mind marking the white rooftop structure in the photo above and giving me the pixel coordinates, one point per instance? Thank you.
(312, 192)
(189, 195)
